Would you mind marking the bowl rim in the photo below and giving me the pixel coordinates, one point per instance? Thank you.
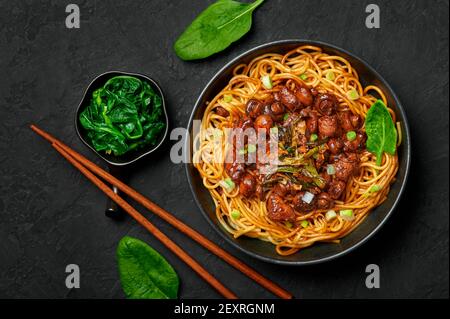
(406, 141)
(83, 100)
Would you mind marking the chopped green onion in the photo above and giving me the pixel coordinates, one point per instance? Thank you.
(217, 133)
(287, 169)
(347, 214)
(371, 190)
(274, 130)
(329, 76)
(352, 95)
(315, 156)
(313, 137)
(330, 215)
(374, 188)
(351, 135)
(331, 170)
(308, 197)
(251, 148)
(303, 76)
(228, 184)
(242, 151)
(235, 214)
(288, 224)
(304, 223)
(267, 81)
(228, 98)
(286, 116)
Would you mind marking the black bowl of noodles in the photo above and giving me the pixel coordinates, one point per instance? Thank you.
(319, 251)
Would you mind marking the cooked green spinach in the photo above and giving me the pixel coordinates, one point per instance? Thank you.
(144, 273)
(380, 130)
(222, 23)
(123, 115)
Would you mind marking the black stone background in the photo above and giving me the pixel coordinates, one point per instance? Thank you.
(51, 216)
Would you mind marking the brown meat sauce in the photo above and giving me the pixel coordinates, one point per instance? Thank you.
(287, 108)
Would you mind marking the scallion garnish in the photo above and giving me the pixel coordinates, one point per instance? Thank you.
(308, 197)
(303, 76)
(347, 214)
(313, 137)
(267, 81)
(330, 215)
(274, 130)
(352, 95)
(235, 214)
(351, 135)
(374, 188)
(251, 148)
(228, 98)
(228, 184)
(217, 133)
(304, 223)
(330, 76)
(331, 170)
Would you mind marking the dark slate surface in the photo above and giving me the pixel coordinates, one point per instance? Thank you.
(50, 216)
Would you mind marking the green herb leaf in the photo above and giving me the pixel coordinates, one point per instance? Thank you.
(144, 273)
(123, 115)
(380, 130)
(221, 24)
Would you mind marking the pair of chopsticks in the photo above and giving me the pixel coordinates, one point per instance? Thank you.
(87, 168)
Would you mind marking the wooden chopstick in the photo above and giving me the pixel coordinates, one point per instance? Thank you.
(177, 250)
(199, 238)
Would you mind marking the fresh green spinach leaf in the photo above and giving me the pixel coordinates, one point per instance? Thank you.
(122, 115)
(144, 273)
(380, 130)
(222, 23)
